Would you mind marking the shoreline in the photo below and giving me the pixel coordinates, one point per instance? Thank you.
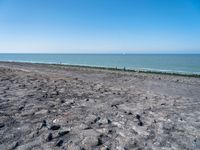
(147, 71)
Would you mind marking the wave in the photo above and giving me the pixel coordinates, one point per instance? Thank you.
(143, 69)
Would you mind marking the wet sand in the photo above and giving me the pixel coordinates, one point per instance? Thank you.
(73, 108)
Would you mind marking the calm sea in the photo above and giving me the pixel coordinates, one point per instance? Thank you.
(156, 62)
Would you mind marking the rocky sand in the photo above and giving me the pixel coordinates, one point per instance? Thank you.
(51, 107)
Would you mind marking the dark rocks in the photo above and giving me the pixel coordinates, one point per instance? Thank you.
(22, 86)
(105, 90)
(2, 125)
(44, 123)
(100, 124)
(102, 139)
(138, 117)
(163, 104)
(62, 101)
(62, 133)
(49, 137)
(115, 105)
(45, 95)
(130, 113)
(110, 131)
(99, 142)
(54, 127)
(59, 143)
(57, 92)
(88, 128)
(96, 119)
(140, 123)
(109, 121)
(14, 145)
(20, 108)
(126, 148)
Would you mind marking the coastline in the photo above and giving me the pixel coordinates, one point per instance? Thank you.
(146, 71)
(48, 106)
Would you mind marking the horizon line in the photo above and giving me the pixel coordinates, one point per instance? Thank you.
(105, 53)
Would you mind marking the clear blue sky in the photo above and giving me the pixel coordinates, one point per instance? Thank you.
(100, 26)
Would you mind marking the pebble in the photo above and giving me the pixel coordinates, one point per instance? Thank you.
(97, 119)
(62, 133)
(20, 108)
(140, 123)
(49, 137)
(110, 131)
(44, 123)
(2, 125)
(14, 145)
(109, 121)
(138, 117)
(88, 128)
(54, 127)
(99, 143)
(130, 113)
(59, 143)
(163, 104)
(62, 101)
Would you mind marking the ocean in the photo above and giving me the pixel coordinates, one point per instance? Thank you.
(178, 63)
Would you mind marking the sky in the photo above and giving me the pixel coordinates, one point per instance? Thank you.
(99, 26)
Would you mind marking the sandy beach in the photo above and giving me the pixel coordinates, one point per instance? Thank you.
(72, 108)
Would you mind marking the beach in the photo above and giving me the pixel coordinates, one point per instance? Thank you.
(44, 106)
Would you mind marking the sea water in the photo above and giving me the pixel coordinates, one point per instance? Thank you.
(183, 63)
